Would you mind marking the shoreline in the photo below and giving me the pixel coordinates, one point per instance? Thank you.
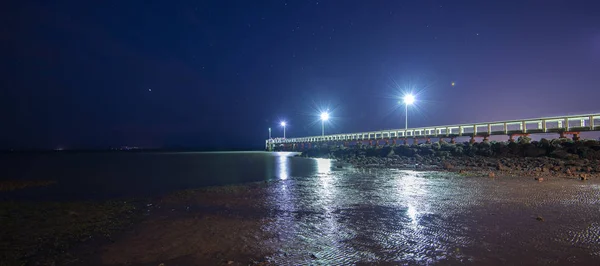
(547, 158)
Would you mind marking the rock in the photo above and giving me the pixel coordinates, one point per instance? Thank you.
(492, 175)
(540, 218)
(229, 262)
(560, 154)
(448, 166)
(162, 264)
(391, 153)
(568, 171)
(539, 179)
(339, 166)
(500, 167)
(583, 177)
(313, 256)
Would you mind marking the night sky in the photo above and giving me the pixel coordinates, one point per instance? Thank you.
(217, 74)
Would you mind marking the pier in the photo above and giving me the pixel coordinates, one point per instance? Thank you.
(564, 126)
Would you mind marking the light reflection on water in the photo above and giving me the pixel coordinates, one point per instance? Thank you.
(353, 215)
(323, 165)
(282, 166)
(369, 215)
(408, 184)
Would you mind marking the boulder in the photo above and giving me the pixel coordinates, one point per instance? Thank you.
(560, 154)
(447, 165)
(500, 167)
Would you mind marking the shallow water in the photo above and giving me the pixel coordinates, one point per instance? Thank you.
(368, 216)
(341, 216)
(91, 176)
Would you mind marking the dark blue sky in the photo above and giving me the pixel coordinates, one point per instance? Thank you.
(217, 74)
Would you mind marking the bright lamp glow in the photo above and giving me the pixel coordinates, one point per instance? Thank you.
(409, 99)
(283, 124)
(324, 116)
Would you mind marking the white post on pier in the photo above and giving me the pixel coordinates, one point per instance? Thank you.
(544, 127)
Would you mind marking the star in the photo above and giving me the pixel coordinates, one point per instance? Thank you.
(453, 84)
(149, 89)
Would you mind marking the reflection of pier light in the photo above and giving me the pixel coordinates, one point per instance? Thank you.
(411, 190)
(412, 213)
(282, 166)
(323, 166)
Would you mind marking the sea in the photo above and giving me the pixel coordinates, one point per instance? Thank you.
(109, 175)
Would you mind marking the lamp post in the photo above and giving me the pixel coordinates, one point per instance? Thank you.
(283, 125)
(408, 100)
(324, 117)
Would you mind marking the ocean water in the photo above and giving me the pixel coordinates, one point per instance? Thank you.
(97, 176)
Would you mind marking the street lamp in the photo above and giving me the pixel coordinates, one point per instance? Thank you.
(283, 125)
(408, 100)
(324, 117)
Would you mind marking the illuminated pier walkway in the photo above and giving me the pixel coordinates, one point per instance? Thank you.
(571, 125)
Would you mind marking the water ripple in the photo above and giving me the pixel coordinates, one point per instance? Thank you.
(421, 218)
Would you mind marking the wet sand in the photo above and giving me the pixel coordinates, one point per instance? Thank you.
(367, 216)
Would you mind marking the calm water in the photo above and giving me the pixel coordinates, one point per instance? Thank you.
(110, 175)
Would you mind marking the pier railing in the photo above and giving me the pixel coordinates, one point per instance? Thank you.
(558, 124)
